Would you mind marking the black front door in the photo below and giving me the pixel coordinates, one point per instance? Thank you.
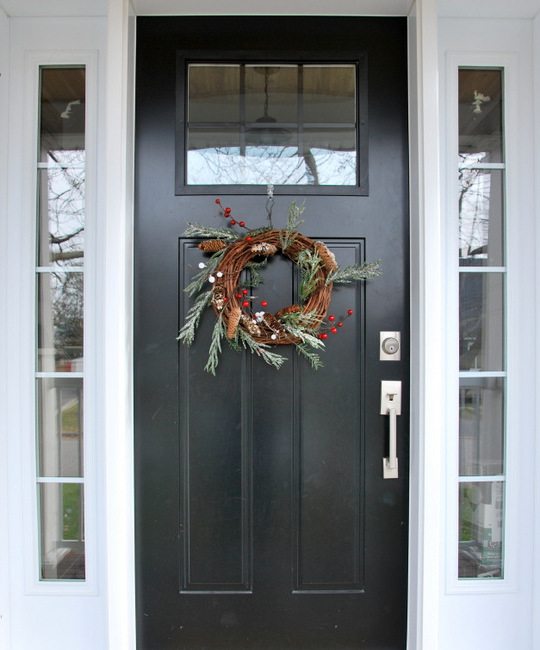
(263, 520)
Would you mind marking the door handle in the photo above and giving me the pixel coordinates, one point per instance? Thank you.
(391, 406)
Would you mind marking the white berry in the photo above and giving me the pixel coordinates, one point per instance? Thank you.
(273, 337)
(211, 279)
(202, 265)
(219, 274)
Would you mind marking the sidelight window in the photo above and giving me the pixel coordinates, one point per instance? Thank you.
(60, 355)
(482, 364)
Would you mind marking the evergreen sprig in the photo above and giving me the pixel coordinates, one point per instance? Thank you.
(197, 230)
(355, 272)
(255, 278)
(215, 347)
(199, 279)
(288, 234)
(313, 358)
(187, 332)
(310, 264)
(260, 349)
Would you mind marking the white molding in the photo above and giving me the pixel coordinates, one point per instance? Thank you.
(427, 327)
(509, 63)
(4, 334)
(117, 334)
(536, 391)
(88, 587)
(495, 614)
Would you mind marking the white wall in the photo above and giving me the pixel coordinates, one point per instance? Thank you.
(495, 614)
(4, 336)
(47, 615)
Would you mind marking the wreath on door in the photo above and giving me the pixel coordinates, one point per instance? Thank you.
(227, 280)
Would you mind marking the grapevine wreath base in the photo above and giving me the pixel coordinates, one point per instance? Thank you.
(227, 280)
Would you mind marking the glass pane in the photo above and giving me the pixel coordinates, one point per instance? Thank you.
(481, 320)
(62, 531)
(481, 224)
(481, 512)
(330, 156)
(330, 94)
(62, 117)
(61, 215)
(272, 157)
(60, 426)
(481, 426)
(213, 157)
(271, 94)
(256, 124)
(60, 322)
(214, 93)
(480, 116)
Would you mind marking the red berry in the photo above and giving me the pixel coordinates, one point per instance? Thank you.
(331, 318)
(232, 222)
(349, 312)
(218, 201)
(225, 299)
(227, 211)
(238, 295)
(249, 238)
(245, 292)
(334, 330)
(242, 224)
(245, 303)
(324, 336)
(264, 303)
(340, 324)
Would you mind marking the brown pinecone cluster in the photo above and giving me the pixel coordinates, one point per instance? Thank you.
(212, 245)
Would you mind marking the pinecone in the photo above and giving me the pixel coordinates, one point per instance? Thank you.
(218, 296)
(234, 319)
(212, 245)
(263, 248)
(250, 326)
(328, 258)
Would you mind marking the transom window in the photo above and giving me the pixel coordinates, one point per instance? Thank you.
(280, 124)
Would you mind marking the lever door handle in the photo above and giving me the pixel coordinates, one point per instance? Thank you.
(391, 406)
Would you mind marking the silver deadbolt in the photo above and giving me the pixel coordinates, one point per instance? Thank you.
(390, 346)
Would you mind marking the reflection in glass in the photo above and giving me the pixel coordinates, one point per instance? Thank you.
(481, 321)
(481, 217)
(62, 531)
(60, 426)
(330, 94)
(213, 93)
(282, 124)
(60, 322)
(480, 116)
(271, 94)
(330, 156)
(481, 426)
(62, 212)
(62, 116)
(481, 512)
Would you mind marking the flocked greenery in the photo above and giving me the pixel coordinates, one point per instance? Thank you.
(215, 347)
(310, 264)
(290, 231)
(354, 273)
(187, 332)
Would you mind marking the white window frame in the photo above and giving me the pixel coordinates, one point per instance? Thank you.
(34, 61)
(515, 373)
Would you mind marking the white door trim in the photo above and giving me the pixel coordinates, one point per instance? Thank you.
(426, 279)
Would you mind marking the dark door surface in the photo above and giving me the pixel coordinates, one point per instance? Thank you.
(262, 517)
